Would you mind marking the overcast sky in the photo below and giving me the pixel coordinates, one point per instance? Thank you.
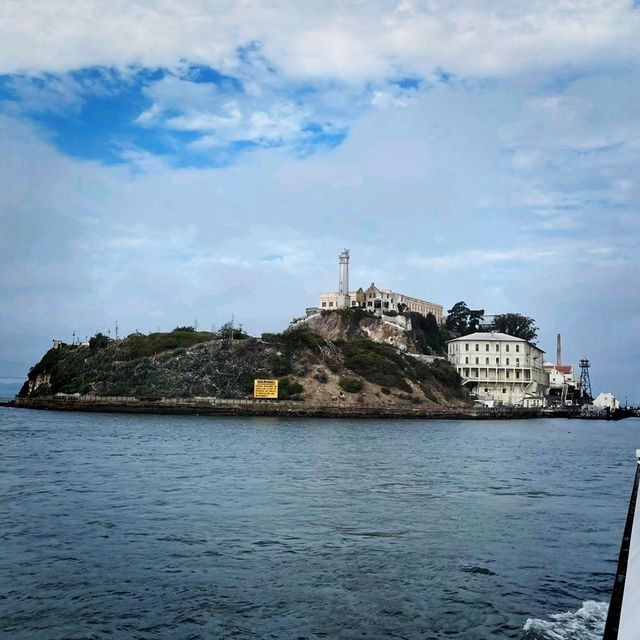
(164, 161)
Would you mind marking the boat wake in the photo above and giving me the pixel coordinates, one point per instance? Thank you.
(587, 623)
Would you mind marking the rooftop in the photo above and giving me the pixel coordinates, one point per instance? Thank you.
(493, 336)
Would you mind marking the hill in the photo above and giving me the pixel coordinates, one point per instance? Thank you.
(187, 364)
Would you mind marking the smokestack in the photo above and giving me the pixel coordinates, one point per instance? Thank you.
(558, 350)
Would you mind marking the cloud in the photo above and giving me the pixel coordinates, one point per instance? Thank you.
(316, 39)
(204, 159)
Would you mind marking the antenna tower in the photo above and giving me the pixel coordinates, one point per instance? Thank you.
(585, 380)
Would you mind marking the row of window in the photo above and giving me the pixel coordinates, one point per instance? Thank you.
(507, 361)
(474, 374)
(486, 347)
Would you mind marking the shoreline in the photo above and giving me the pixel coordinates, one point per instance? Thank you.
(215, 406)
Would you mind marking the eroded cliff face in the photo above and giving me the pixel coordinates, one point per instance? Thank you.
(42, 382)
(335, 326)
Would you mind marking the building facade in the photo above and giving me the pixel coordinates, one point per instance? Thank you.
(373, 298)
(562, 384)
(499, 369)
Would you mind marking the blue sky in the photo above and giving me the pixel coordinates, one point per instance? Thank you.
(171, 161)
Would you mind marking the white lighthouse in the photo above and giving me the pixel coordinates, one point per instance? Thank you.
(343, 285)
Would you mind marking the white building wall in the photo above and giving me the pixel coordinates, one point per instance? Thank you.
(606, 401)
(501, 368)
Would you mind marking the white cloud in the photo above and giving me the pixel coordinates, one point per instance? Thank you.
(317, 39)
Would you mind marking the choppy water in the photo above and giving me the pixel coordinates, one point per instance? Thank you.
(192, 527)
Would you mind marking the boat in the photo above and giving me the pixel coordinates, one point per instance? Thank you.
(623, 618)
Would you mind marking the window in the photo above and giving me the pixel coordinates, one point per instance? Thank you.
(504, 390)
(506, 347)
(487, 360)
(517, 375)
(466, 359)
(497, 347)
(324, 304)
(517, 347)
(466, 373)
(486, 390)
(466, 346)
(477, 360)
(497, 360)
(507, 374)
(331, 303)
(517, 362)
(477, 347)
(507, 360)
(486, 347)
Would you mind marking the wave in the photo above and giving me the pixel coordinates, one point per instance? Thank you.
(587, 623)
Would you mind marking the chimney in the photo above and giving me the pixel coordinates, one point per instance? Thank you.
(558, 350)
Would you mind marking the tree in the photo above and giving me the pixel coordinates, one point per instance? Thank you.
(517, 325)
(428, 334)
(463, 320)
(99, 341)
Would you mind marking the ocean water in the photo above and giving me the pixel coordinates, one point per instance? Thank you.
(118, 526)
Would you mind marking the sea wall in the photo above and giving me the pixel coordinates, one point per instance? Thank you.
(218, 406)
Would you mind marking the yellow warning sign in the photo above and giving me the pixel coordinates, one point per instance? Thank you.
(265, 388)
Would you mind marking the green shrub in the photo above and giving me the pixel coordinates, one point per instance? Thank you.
(350, 384)
(429, 336)
(321, 376)
(302, 338)
(99, 341)
(138, 345)
(376, 362)
(280, 365)
(288, 390)
(48, 362)
(444, 373)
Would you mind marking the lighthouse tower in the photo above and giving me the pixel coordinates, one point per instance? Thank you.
(343, 288)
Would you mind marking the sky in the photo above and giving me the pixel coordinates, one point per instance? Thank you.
(167, 162)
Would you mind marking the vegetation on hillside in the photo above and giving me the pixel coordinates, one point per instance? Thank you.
(188, 363)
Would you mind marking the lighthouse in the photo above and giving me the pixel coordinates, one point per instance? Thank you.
(343, 284)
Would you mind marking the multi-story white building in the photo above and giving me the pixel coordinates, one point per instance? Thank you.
(500, 369)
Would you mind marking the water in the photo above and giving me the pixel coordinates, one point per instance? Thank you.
(197, 527)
